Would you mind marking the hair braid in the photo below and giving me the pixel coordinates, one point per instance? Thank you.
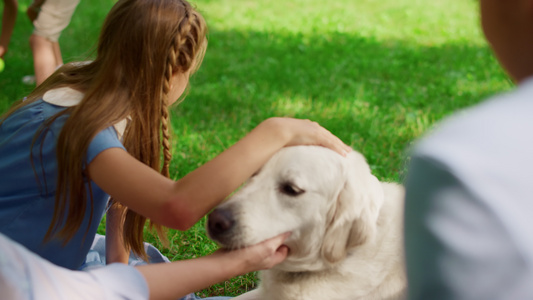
(184, 43)
(165, 116)
(179, 59)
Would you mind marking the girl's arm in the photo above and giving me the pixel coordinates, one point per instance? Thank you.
(177, 279)
(182, 203)
(21, 267)
(114, 242)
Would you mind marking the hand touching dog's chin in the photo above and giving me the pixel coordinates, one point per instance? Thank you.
(301, 258)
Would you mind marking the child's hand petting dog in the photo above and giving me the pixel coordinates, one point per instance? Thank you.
(261, 256)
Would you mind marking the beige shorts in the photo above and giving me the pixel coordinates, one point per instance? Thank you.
(54, 16)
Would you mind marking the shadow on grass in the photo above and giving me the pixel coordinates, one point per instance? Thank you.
(377, 96)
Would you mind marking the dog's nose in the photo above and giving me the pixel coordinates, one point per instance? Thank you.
(220, 221)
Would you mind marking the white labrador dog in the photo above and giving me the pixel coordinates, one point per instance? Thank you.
(346, 226)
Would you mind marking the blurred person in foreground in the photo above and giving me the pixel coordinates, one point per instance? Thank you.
(469, 185)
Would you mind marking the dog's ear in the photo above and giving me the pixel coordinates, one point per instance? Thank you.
(352, 219)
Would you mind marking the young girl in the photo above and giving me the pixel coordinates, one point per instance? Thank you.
(101, 129)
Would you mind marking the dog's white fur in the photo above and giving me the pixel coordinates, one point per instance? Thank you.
(346, 226)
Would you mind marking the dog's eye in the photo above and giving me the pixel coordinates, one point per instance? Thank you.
(291, 190)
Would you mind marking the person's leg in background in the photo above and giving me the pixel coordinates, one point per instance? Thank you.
(9, 17)
(53, 17)
(45, 57)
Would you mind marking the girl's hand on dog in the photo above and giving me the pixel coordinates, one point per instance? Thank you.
(268, 253)
(261, 256)
(306, 132)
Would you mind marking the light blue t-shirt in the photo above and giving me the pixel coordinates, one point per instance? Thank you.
(24, 275)
(468, 224)
(27, 193)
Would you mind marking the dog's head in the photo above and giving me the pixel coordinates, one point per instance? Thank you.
(330, 204)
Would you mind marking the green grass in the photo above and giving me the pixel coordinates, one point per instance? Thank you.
(376, 73)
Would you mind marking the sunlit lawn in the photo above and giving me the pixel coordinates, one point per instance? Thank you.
(376, 73)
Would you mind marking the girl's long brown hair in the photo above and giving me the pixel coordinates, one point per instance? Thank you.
(141, 45)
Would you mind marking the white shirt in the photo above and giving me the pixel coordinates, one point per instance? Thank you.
(469, 204)
(25, 275)
(67, 97)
